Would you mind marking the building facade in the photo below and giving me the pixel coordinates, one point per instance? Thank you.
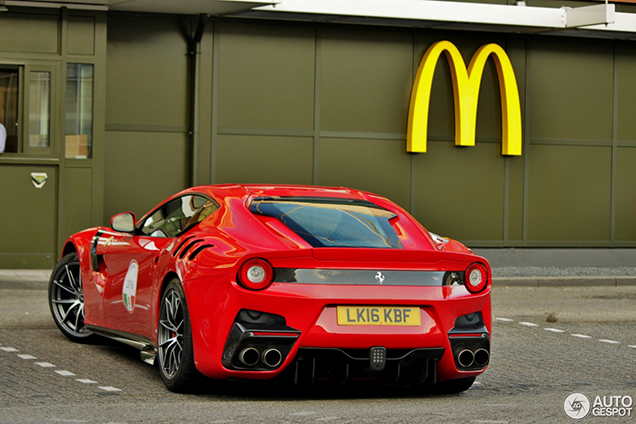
(113, 110)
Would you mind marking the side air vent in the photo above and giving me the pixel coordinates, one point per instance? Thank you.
(188, 247)
(199, 250)
(176, 252)
(94, 256)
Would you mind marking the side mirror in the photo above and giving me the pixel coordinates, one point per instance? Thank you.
(123, 222)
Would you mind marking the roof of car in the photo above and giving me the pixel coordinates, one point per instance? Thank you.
(283, 190)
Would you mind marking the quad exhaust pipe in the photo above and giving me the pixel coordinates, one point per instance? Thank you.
(478, 358)
(466, 358)
(272, 358)
(482, 357)
(250, 357)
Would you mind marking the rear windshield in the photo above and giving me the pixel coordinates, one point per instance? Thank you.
(325, 222)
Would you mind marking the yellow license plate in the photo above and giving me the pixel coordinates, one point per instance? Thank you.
(379, 315)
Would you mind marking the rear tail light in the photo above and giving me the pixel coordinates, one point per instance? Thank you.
(476, 277)
(256, 274)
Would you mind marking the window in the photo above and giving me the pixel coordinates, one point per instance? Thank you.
(79, 111)
(28, 108)
(178, 216)
(324, 222)
(39, 109)
(9, 112)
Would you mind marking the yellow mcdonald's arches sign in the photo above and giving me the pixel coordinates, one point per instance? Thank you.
(466, 84)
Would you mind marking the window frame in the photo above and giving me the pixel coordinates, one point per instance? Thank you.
(64, 123)
(24, 86)
(141, 224)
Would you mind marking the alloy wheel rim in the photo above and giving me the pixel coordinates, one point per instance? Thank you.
(67, 300)
(171, 334)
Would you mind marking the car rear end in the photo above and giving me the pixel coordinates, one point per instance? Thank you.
(366, 294)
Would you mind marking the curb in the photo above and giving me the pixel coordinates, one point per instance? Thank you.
(564, 281)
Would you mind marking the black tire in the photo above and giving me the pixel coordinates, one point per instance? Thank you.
(66, 299)
(174, 342)
(448, 387)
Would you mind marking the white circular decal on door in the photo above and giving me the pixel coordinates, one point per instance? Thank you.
(130, 286)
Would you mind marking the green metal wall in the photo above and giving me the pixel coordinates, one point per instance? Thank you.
(146, 112)
(35, 221)
(328, 105)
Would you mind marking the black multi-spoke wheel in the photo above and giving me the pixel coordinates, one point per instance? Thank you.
(66, 299)
(176, 357)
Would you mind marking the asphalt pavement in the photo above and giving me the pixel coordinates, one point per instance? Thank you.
(549, 341)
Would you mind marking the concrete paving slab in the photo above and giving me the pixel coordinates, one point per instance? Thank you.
(24, 309)
(576, 281)
(25, 274)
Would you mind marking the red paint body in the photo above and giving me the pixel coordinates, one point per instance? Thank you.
(214, 297)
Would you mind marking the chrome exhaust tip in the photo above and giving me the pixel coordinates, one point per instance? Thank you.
(482, 357)
(466, 358)
(249, 356)
(272, 358)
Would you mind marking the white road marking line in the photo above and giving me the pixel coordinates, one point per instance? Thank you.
(60, 372)
(505, 319)
(580, 336)
(490, 422)
(25, 356)
(109, 388)
(557, 330)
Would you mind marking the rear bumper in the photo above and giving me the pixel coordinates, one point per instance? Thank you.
(310, 338)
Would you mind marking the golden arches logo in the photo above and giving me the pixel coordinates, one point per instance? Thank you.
(466, 83)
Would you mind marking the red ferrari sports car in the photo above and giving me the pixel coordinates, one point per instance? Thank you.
(261, 281)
